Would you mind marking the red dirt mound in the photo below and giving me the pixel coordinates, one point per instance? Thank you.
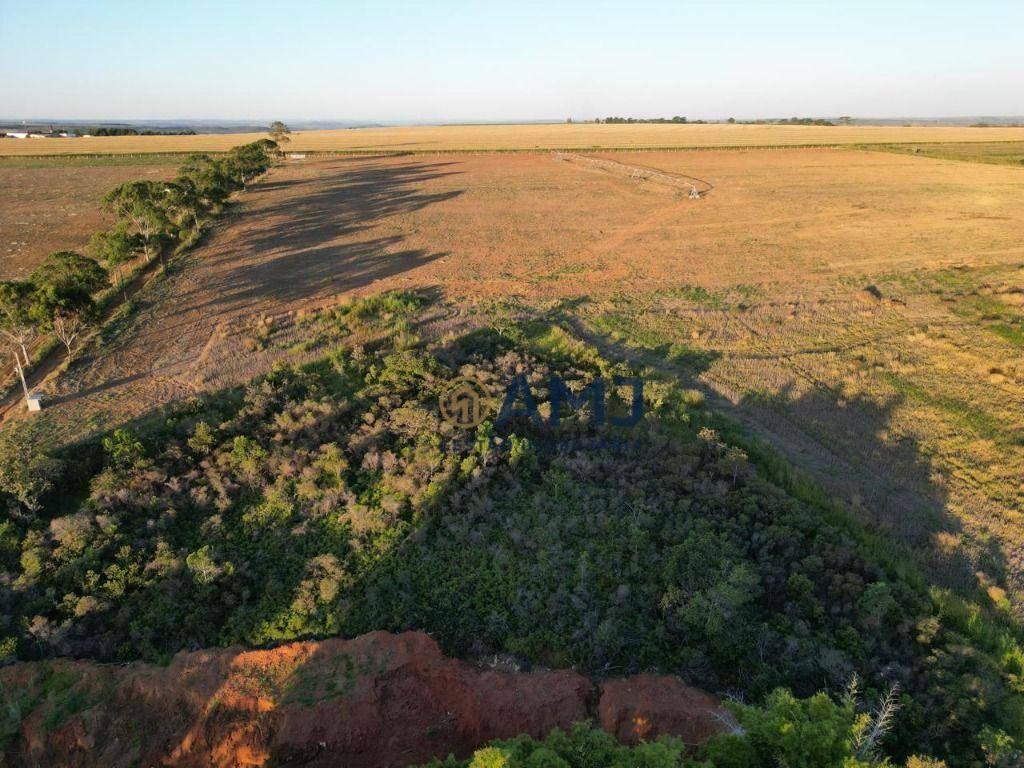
(644, 707)
(378, 700)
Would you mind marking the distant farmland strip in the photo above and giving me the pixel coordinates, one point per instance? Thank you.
(577, 137)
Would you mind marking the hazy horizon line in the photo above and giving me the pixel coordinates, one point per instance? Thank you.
(374, 122)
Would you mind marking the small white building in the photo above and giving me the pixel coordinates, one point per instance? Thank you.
(38, 135)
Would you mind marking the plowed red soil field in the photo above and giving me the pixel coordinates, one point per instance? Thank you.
(50, 207)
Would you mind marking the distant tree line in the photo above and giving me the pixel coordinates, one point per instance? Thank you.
(682, 120)
(115, 131)
(101, 130)
(676, 119)
(60, 296)
(792, 121)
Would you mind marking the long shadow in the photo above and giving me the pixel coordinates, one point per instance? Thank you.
(889, 486)
(294, 253)
(315, 272)
(341, 203)
(58, 399)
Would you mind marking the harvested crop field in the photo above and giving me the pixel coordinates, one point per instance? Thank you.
(445, 138)
(539, 228)
(53, 204)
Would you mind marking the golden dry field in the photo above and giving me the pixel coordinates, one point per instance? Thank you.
(524, 137)
(861, 311)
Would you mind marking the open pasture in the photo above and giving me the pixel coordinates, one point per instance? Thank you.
(579, 136)
(538, 228)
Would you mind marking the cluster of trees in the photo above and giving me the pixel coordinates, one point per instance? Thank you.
(60, 296)
(731, 121)
(279, 132)
(806, 121)
(332, 499)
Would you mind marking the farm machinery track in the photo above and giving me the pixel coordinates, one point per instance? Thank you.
(694, 187)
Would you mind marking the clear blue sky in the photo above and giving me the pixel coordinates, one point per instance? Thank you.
(452, 60)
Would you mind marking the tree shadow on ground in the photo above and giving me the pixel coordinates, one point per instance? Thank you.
(891, 487)
(300, 248)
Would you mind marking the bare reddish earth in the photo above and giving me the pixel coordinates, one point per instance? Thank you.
(640, 708)
(377, 700)
(46, 209)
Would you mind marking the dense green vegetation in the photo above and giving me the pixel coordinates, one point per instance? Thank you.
(816, 732)
(332, 499)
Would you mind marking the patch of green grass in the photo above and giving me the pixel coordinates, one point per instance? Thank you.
(626, 328)
(554, 343)
(66, 707)
(309, 686)
(722, 299)
(12, 711)
(990, 152)
(558, 274)
(695, 294)
(60, 694)
(383, 307)
(962, 289)
(1013, 334)
(963, 414)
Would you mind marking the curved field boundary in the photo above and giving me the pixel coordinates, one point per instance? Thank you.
(690, 184)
